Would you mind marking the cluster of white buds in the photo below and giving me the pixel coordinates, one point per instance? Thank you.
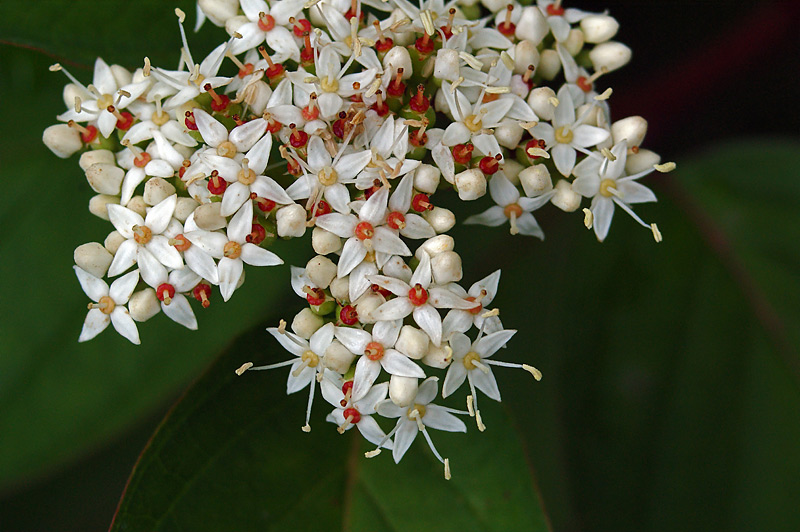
(342, 119)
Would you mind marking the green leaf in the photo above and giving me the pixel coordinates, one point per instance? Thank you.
(231, 455)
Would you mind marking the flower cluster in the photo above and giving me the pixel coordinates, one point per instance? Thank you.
(342, 119)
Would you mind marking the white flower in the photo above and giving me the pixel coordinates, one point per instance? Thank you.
(169, 290)
(357, 412)
(481, 292)
(108, 306)
(559, 19)
(511, 207)
(270, 24)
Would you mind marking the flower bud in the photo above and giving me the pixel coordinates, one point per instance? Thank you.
(218, 11)
(574, 42)
(611, 55)
(183, 208)
(368, 303)
(412, 342)
(565, 198)
(508, 134)
(549, 64)
(401, 38)
(156, 190)
(446, 267)
(633, 128)
(105, 178)
(208, 218)
(88, 158)
(324, 242)
(321, 271)
(532, 25)
(435, 245)
(397, 268)
(137, 205)
(447, 64)
(599, 28)
(144, 304)
(113, 241)
(539, 100)
(233, 24)
(98, 205)
(306, 323)
(525, 54)
(340, 288)
(535, 180)
(256, 95)
(426, 178)
(291, 220)
(62, 140)
(438, 357)
(121, 75)
(471, 184)
(639, 162)
(512, 168)
(93, 258)
(338, 358)
(403, 390)
(592, 115)
(441, 219)
(494, 5)
(398, 57)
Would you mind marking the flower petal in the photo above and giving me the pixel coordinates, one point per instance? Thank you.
(124, 324)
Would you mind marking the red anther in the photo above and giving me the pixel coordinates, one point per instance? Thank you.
(583, 84)
(448, 29)
(380, 290)
(462, 153)
(490, 165)
(421, 203)
(141, 160)
(189, 121)
(257, 234)
(475, 310)
(265, 22)
(165, 292)
(181, 243)
(397, 88)
(374, 351)
(348, 315)
(314, 296)
(534, 143)
(219, 102)
(323, 207)
(419, 103)
(507, 27)
(247, 70)
(554, 10)
(202, 293)
(380, 106)
(311, 111)
(424, 44)
(364, 231)
(418, 295)
(297, 138)
(273, 126)
(339, 124)
(301, 27)
(217, 185)
(353, 414)
(184, 166)
(266, 205)
(396, 220)
(635, 149)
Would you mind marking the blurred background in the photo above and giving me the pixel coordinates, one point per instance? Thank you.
(670, 399)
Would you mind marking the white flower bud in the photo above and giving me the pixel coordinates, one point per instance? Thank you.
(438, 357)
(400, 38)
(426, 178)
(208, 218)
(412, 342)
(436, 245)
(599, 28)
(306, 323)
(98, 205)
(565, 198)
(447, 64)
(398, 57)
(446, 267)
(397, 268)
(105, 178)
(156, 190)
(256, 95)
(321, 271)
(183, 208)
(113, 241)
(338, 358)
(549, 64)
(512, 168)
(574, 42)
(639, 162)
(508, 134)
(403, 390)
(532, 25)
(340, 288)
(539, 100)
(632, 128)
(291, 220)
(121, 75)
(592, 115)
(313, 127)
(494, 5)
(519, 87)
(137, 205)
(535, 180)
(233, 24)
(144, 304)
(368, 303)
(611, 55)
(93, 258)
(218, 11)
(525, 54)
(441, 219)
(324, 242)
(88, 158)
(471, 184)
(62, 140)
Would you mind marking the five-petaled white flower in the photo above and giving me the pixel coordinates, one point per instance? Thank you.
(511, 207)
(108, 305)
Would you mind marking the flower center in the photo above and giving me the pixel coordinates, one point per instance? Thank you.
(606, 187)
(232, 250)
(353, 414)
(180, 242)
(227, 149)
(104, 101)
(514, 209)
(106, 305)
(165, 292)
(142, 234)
(470, 358)
(364, 231)
(160, 119)
(396, 220)
(247, 176)
(265, 22)
(564, 135)
(310, 358)
(374, 351)
(329, 85)
(477, 309)
(418, 408)
(418, 295)
(327, 176)
(473, 123)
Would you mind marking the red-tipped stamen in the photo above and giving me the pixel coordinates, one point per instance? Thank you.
(297, 138)
(311, 111)
(265, 22)
(419, 103)
(165, 292)
(217, 185)
(448, 29)
(380, 106)
(88, 133)
(219, 102)
(507, 27)
(124, 118)
(424, 44)
(397, 88)
(202, 293)
(383, 44)
(274, 70)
